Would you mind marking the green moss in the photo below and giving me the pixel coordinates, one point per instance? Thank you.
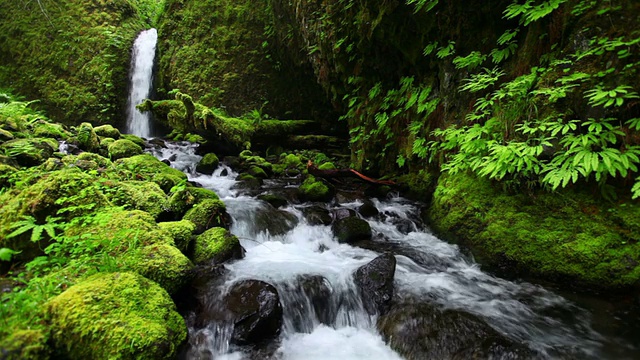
(29, 152)
(195, 138)
(147, 167)
(314, 190)
(26, 344)
(139, 195)
(208, 164)
(104, 143)
(215, 244)
(6, 173)
(180, 231)
(207, 214)
(327, 166)
(292, 161)
(102, 161)
(49, 130)
(257, 172)
(565, 236)
(136, 139)
(123, 148)
(5, 135)
(107, 131)
(163, 264)
(86, 137)
(116, 316)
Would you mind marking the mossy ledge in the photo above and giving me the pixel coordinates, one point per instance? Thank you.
(566, 236)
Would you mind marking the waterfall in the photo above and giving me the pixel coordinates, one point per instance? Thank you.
(144, 50)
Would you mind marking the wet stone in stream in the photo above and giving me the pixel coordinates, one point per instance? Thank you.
(375, 283)
(256, 309)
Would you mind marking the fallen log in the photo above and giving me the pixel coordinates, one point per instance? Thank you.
(343, 173)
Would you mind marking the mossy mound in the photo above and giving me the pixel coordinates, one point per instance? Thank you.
(102, 161)
(183, 199)
(116, 316)
(149, 168)
(26, 344)
(564, 236)
(208, 163)
(29, 152)
(163, 264)
(136, 139)
(314, 190)
(6, 172)
(216, 245)
(351, 229)
(46, 129)
(180, 231)
(123, 148)
(207, 214)
(107, 131)
(86, 138)
(139, 195)
(327, 166)
(6, 135)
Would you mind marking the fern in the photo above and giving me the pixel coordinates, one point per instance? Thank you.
(528, 12)
(482, 80)
(471, 61)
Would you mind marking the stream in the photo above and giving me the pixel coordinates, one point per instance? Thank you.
(430, 274)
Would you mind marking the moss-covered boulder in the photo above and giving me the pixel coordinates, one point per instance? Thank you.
(180, 231)
(566, 236)
(327, 166)
(162, 263)
(257, 172)
(86, 137)
(6, 171)
(139, 195)
(136, 139)
(216, 245)
(208, 164)
(102, 161)
(314, 190)
(115, 316)
(207, 214)
(45, 129)
(107, 131)
(351, 229)
(183, 199)
(29, 152)
(123, 148)
(147, 167)
(26, 344)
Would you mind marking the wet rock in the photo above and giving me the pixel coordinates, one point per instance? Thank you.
(166, 161)
(377, 191)
(216, 246)
(248, 182)
(424, 331)
(368, 209)
(224, 172)
(256, 311)
(207, 214)
(404, 226)
(124, 148)
(313, 189)
(342, 213)
(208, 164)
(276, 201)
(351, 229)
(318, 291)
(157, 142)
(276, 222)
(233, 162)
(111, 132)
(317, 215)
(375, 283)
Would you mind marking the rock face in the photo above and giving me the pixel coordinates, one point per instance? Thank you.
(375, 283)
(136, 319)
(256, 309)
(423, 331)
(351, 229)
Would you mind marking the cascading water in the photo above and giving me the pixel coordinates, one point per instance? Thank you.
(333, 323)
(142, 60)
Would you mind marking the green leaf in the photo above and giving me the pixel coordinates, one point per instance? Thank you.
(6, 254)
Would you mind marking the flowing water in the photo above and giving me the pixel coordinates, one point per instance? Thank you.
(141, 73)
(427, 268)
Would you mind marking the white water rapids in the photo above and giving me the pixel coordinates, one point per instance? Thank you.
(142, 60)
(427, 268)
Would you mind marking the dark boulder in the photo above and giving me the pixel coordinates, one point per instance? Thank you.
(317, 215)
(208, 164)
(351, 229)
(318, 290)
(375, 283)
(368, 209)
(276, 201)
(256, 311)
(425, 331)
(342, 213)
(276, 222)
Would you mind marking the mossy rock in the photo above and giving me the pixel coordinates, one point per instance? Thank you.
(6, 172)
(53, 164)
(107, 131)
(123, 230)
(116, 316)
(208, 164)
(181, 232)
(86, 137)
(216, 245)
(276, 201)
(249, 181)
(150, 168)
(139, 195)
(102, 161)
(195, 138)
(292, 161)
(123, 148)
(29, 152)
(314, 190)
(351, 229)
(257, 172)
(327, 166)
(136, 139)
(26, 344)
(207, 214)
(164, 264)
(104, 143)
(182, 200)
(563, 236)
(49, 130)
